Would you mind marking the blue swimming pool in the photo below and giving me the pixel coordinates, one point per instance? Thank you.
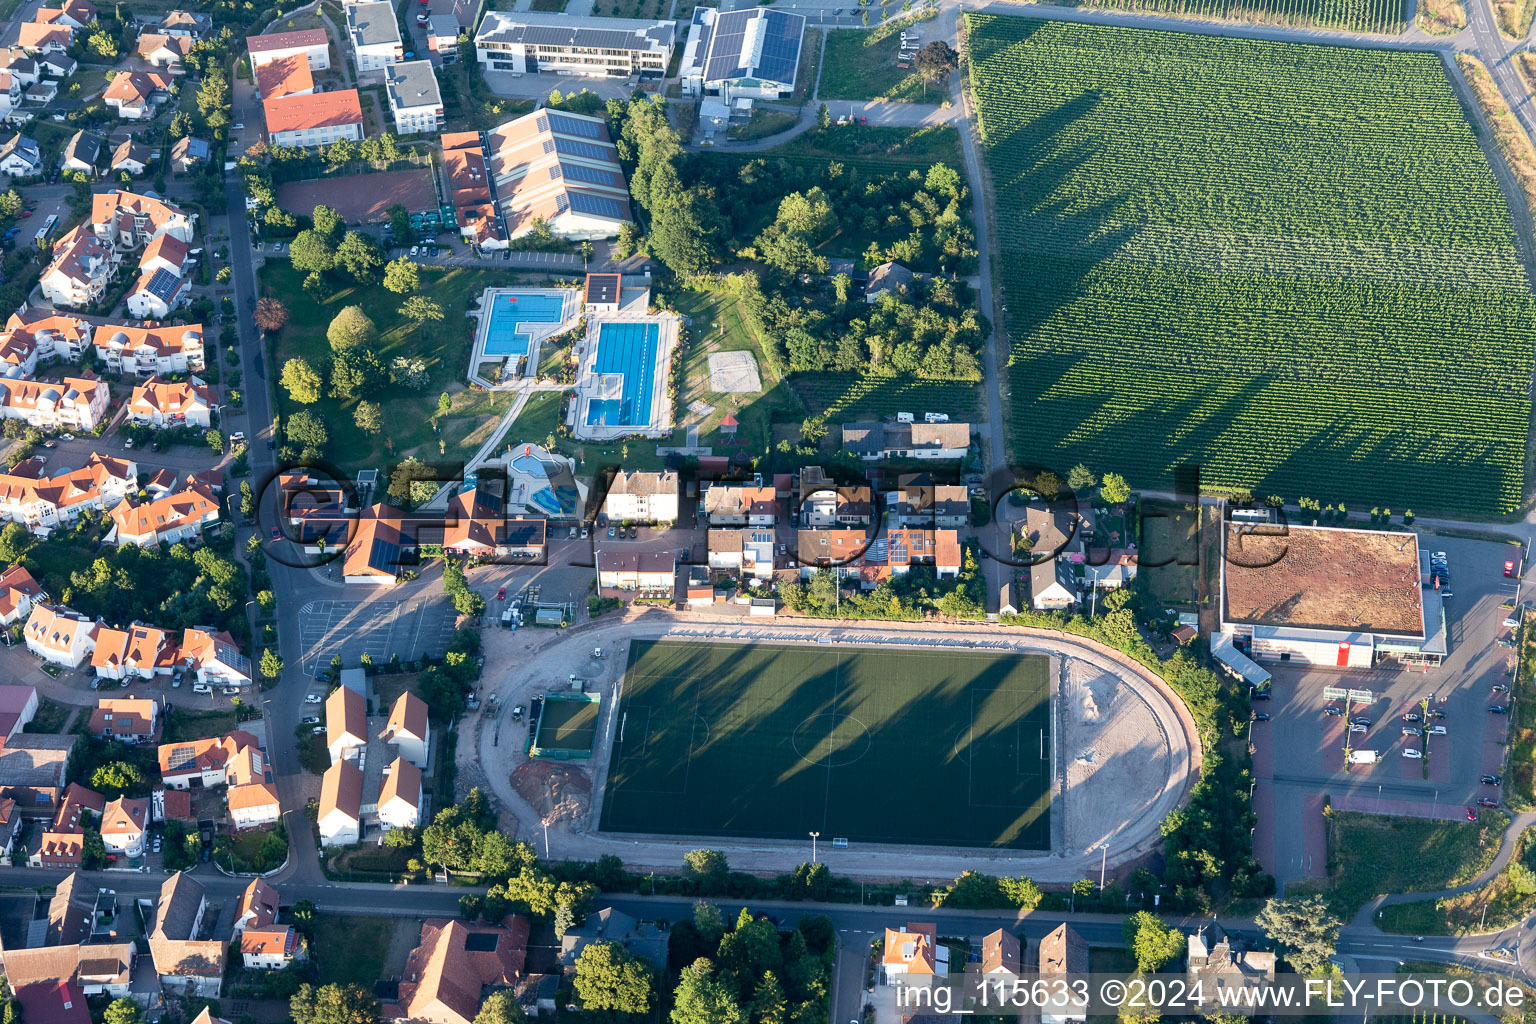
(508, 333)
(628, 349)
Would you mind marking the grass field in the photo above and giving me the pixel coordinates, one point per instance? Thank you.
(1170, 550)
(568, 725)
(410, 415)
(1290, 265)
(875, 148)
(916, 747)
(844, 397)
(350, 948)
(855, 71)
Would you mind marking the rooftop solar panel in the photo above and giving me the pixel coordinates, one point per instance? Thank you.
(570, 147)
(591, 175)
(601, 206)
(575, 126)
(541, 122)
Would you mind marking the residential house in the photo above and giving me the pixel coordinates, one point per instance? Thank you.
(341, 801)
(874, 441)
(96, 969)
(160, 350)
(10, 827)
(77, 403)
(888, 278)
(233, 759)
(375, 36)
(81, 153)
(77, 808)
(58, 1002)
(138, 652)
(187, 152)
(131, 720)
(637, 570)
(1115, 570)
(400, 796)
(415, 103)
(569, 44)
(749, 552)
(315, 119)
(80, 271)
(741, 504)
(469, 190)
(169, 520)
(1063, 952)
(18, 703)
(20, 156)
(443, 37)
(56, 64)
(1228, 963)
(42, 503)
(35, 37)
(137, 95)
(1053, 583)
(207, 1017)
(346, 725)
(641, 939)
(21, 65)
(77, 14)
(456, 963)
(18, 591)
(156, 294)
(828, 548)
(920, 502)
(286, 76)
(32, 767)
(187, 25)
(912, 955)
(132, 156)
(834, 507)
(64, 851)
(10, 93)
(23, 344)
(269, 947)
(185, 964)
(129, 221)
(257, 907)
(163, 403)
(408, 729)
(311, 43)
(639, 497)
(123, 826)
(253, 805)
(908, 546)
(165, 51)
(43, 93)
(59, 635)
(1001, 954)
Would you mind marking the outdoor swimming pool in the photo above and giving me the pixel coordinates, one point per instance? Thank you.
(628, 349)
(508, 332)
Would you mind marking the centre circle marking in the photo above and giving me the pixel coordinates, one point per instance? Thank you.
(831, 739)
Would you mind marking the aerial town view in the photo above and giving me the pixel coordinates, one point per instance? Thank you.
(729, 512)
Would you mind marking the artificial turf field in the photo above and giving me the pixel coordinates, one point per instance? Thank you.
(568, 725)
(942, 748)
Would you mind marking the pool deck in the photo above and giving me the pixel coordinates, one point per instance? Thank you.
(589, 383)
(537, 334)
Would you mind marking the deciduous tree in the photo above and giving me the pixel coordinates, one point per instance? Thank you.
(609, 978)
(1304, 930)
(402, 276)
(301, 381)
(351, 328)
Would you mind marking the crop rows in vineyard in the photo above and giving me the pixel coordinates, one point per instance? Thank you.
(842, 397)
(1382, 16)
(1288, 264)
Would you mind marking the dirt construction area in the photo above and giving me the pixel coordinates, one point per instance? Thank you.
(1125, 750)
(361, 198)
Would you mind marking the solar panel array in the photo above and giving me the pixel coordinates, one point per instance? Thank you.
(590, 175)
(780, 51)
(575, 126)
(570, 147)
(164, 283)
(585, 202)
(781, 46)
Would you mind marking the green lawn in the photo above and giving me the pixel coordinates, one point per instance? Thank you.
(1370, 854)
(819, 735)
(195, 725)
(854, 71)
(844, 397)
(351, 948)
(411, 415)
(763, 123)
(810, 65)
(1492, 907)
(50, 717)
(876, 147)
(1170, 535)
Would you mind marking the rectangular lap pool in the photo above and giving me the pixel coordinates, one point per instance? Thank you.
(628, 349)
(508, 332)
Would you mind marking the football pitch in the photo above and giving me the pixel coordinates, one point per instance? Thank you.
(938, 748)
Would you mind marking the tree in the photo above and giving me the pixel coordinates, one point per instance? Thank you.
(301, 381)
(707, 869)
(113, 778)
(1303, 929)
(368, 417)
(469, 603)
(701, 998)
(351, 328)
(356, 372)
(1114, 489)
(1522, 880)
(312, 252)
(213, 98)
(14, 542)
(10, 203)
(104, 44)
(608, 978)
(823, 117)
(709, 923)
(936, 62)
(419, 309)
(501, 1008)
(1080, 478)
(215, 440)
(122, 1011)
(247, 500)
(402, 276)
(271, 664)
(1047, 484)
(308, 431)
(333, 1004)
(943, 180)
(1154, 944)
(410, 372)
(328, 223)
(359, 256)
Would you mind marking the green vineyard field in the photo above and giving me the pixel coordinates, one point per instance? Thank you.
(1388, 17)
(842, 397)
(1287, 264)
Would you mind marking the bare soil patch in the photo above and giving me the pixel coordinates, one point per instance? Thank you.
(558, 792)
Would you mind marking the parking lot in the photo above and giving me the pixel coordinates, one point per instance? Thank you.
(1299, 754)
(409, 628)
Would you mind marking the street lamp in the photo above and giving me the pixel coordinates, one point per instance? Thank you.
(814, 836)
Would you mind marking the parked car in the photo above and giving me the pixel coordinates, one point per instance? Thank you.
(414, 250)
(611, 530)
(1333, 712)
(201, 688)
(634, 532)
(1360, 721)
(313, 698)
(310, 720)
(1261, 716)
(277, 534)
(66, 437)
(128, 443)
(1356, 728)
(1436, 713)
(1257, 694)
(1490, 780)
(501, 595)
(1411, 752)
(1436, 730)
(1412, 730)
(1498, 709)
(1504, 641)
(1486, 802)
(1499, 688)
(1413, 716)
(48, 443)
(1471, 814)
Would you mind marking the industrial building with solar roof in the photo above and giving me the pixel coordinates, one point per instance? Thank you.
(567, 44)
(560, 168)
(751, 54)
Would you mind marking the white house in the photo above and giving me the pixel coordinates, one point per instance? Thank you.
(253, 805)
(346, 722)
(42, 503)
(20, 156)
(138, 652)
(18, 590)
(185, 965)
(415, 103)
(132, 157)
(81, 153)
(341, 800)
(137, 95)
(311, 43)
(59, 635)
(639, 497)
(129, 221)
(20, 64)
(637, 570)
(234, 759)
(74, 403)
(123, 826)
(257, 907)
(314, 119)
(400, 796)
(375, 35)
(269, 948)
(212, 656)
(408, 730)
(160, 350)
(160, 403)
(171, 519)
(80, 271)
